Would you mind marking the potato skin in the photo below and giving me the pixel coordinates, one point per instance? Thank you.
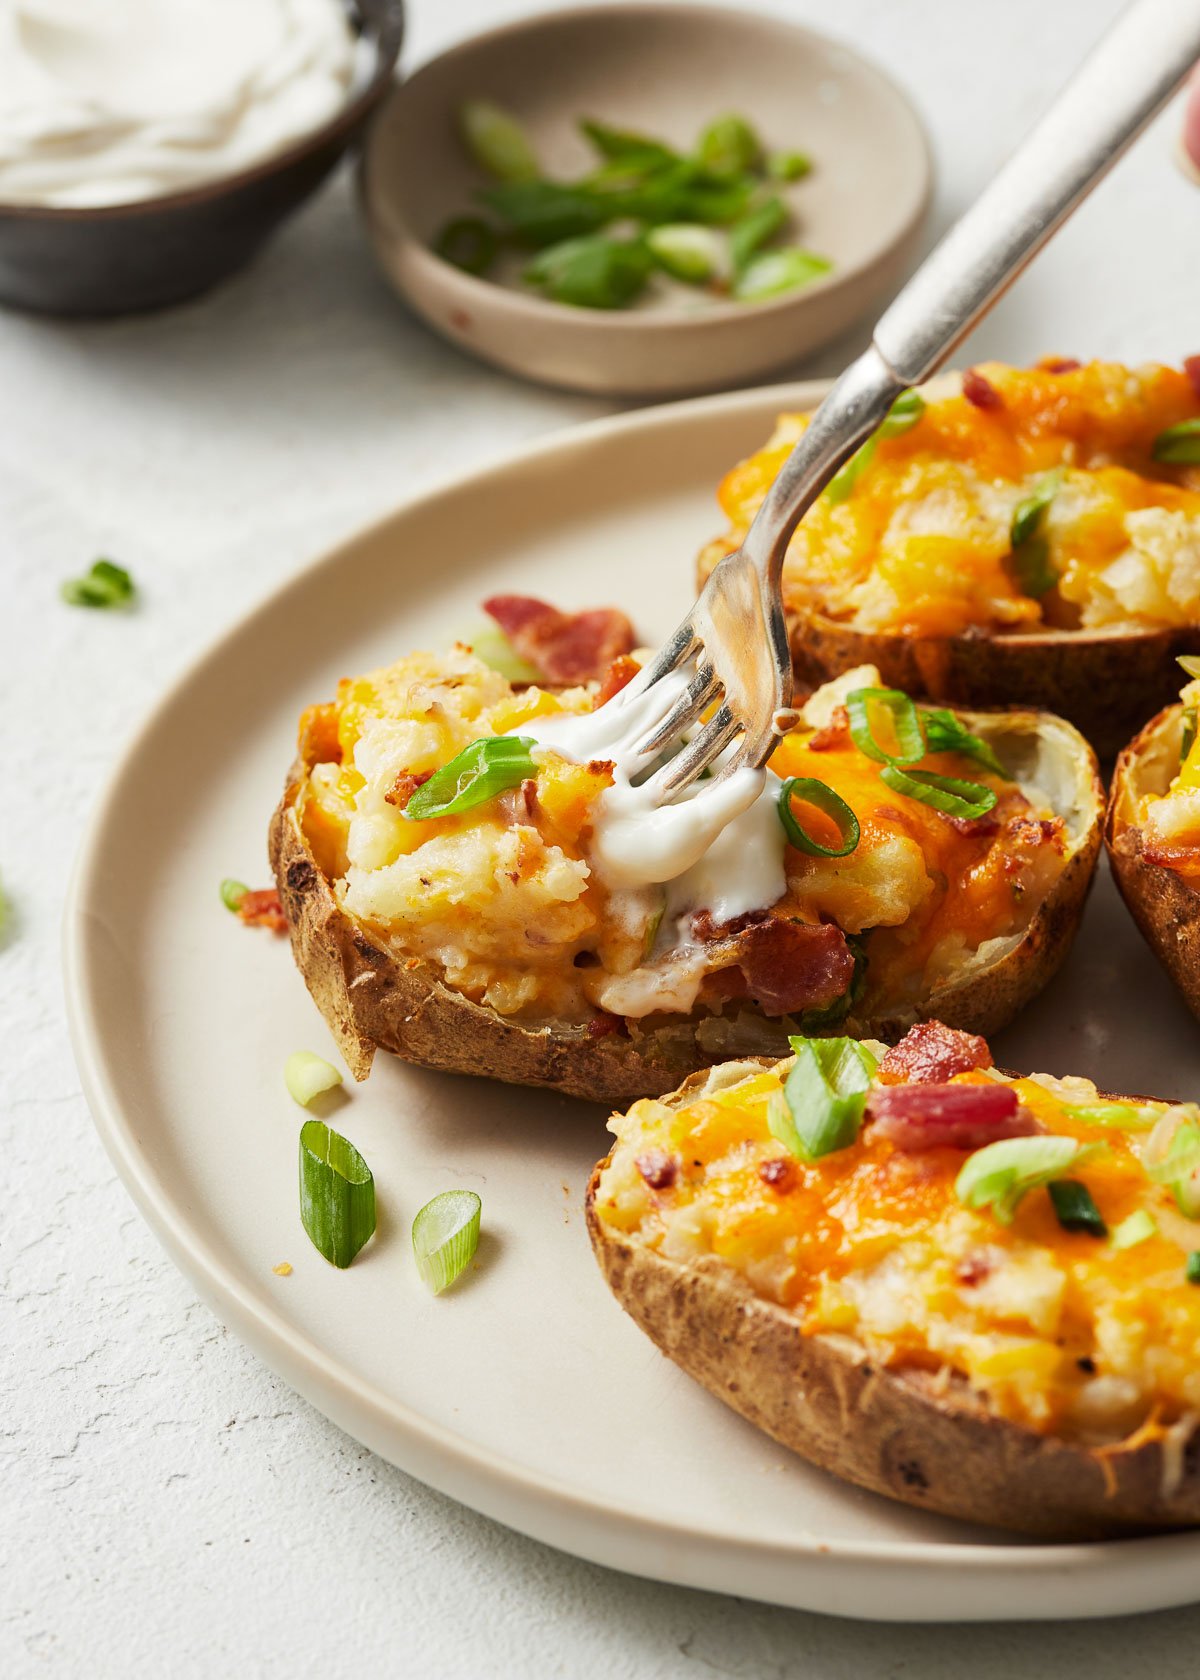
(372, 998)
(1164, 906)
(896, 1433)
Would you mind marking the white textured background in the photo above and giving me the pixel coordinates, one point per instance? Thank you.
(167, 1507)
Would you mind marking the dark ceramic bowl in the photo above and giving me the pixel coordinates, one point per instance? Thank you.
(157, 251)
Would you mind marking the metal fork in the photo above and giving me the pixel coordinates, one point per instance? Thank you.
(734, 641)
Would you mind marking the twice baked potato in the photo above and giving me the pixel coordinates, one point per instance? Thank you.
(1152, 833)
(499, 938)
(971, 1291)
(1012, 536)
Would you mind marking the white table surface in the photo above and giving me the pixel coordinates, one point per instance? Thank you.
(167, 1506)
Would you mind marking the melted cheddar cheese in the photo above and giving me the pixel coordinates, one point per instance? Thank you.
(922, 545)
(1061, 1331)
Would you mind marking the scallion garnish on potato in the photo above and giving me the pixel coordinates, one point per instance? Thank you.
(809, 791)
(445, 1235)
(997, 1176)
(1178, 446)
(337, 1193)
(824, 1097)
(1076, 1207)
(481, 771)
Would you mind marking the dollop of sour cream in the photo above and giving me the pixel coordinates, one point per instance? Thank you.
(720, 847)
(108, 101)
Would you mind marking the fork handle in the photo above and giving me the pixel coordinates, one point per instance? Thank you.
(1118, 90)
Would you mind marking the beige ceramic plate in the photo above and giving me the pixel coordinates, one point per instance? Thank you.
(526, 1392)
(667, 70)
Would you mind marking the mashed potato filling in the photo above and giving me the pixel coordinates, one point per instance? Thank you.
(506, 900)
(923, 544)
(1060, 1330)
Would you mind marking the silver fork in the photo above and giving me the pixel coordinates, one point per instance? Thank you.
(734, 641)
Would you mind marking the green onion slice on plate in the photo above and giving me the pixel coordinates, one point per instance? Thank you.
(105, 586)
(496, 140)
(865, 706)
(481, 771)
(771, 273)
(307, 1076)
(337, 1193)
(947, 794)
(822, 798)
(445, 1235)
(468, 243)
(232, 894)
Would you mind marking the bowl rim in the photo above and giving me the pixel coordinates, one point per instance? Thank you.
(335, 128)
(472, 289)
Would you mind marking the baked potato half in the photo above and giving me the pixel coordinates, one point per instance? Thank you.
(967, 1290)
(1011, 537)
(496, 940)
(1152, 834)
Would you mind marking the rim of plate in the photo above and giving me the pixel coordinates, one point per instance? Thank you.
(287, 1350)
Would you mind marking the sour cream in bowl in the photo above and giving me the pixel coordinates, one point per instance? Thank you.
(148, 146)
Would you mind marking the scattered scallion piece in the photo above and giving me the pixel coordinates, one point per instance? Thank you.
(232, 894)
(540, 213)
(789, 166)
(468, 243)
(105, 586)
(729, 146)
(944, 732)
(903, 415)
(1000, 1174)
(1178, 446)
(497, 142)
(752, 231)
(481, 771)
(592, 271)
(1027, 519)
(687, 251)
(1191, 1270)
(821, 1106)
(823, 798)
(490, 644)
(1138, 1228)
(445, 1235)
(307, 1076)
(1076, 1208)
(864, 706)
(337, 1193)
(626, 146)
(1190, 663)
(772, 273)
(1187, 733)
(1180, 1169)
(1121, 1117)
(947, 794)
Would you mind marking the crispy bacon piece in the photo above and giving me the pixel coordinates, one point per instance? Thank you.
(836, 733)
(657, 1168)
(1191, 366)
(779, 1174)
(565, 647)
(931, 1053)
(980, 391)
(604, 1024)
(1186, 859)
(619, 674)
(263, 908)
(1059, 364)
(783, 966)
(947, 1116)
(406, 784)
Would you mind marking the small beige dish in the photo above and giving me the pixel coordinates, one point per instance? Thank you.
(667, 70)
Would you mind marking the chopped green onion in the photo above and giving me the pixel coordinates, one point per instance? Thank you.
(1121, 1117)
(1001, 1173)
(540, 213)
(729, 146)
(469, 244)
(789, 166)
(623, 145)
(820, 1108)
(947, 794)
(863, 703)
(1180, 1170)
(1031, 563)
(774, 272)
(1138, 1228)
(496, 140)
(1178, 446)
(1029, 513)
(823, 798)
(106, 585)
(687, 251)
(492, 646)
(592, 272)
(337, 1193)
(829, 1014)
(232, 894)
(1187, 735)
(445, 1235)
(1191, 1270)
(307, 1076)
(903, 415)
(1190, 663)
(944, 732)
(1076, 1208)
(650, 936)
(481, 771)
(753, 230)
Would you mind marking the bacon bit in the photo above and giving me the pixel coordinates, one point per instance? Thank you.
(948, 1116)
(1032, 831)
(1191, 366)
(779, 1174)
(975, 828)
(836, 733)
(931, 1053)
(406, 784)
(1059, 364)
(659, 1169)
(706, 929)
(980, 392)
(1184, 858)
(975, 1268)
(788, 966)
(318, 742)
(604, 1024)
(565, 647)
(619, 674)
(263, 908)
